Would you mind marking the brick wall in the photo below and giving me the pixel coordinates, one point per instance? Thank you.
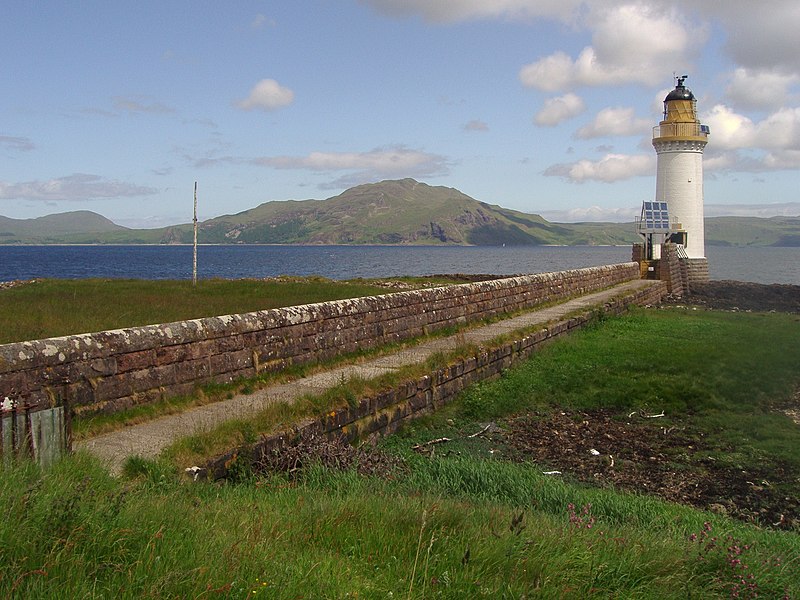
(111, 370)
(673, 270)
(697, 270)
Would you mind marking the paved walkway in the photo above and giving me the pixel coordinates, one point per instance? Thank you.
(149, 439)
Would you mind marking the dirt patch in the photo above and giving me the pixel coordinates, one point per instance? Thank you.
(636, 453)
(793, 414)
(293, 456)
(743, 296)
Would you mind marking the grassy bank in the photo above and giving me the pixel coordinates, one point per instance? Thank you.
(466, 520)
(56, 307)
(456, 530)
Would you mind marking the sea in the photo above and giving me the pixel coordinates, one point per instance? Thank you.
(758, 265)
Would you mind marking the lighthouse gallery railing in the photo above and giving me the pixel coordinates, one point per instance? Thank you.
(680, 130)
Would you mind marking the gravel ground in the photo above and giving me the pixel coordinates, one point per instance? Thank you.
(744, 296)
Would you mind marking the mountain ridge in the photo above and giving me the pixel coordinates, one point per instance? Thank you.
(391, 212)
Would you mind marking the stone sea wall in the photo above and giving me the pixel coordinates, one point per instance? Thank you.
(388, 410)
(111, 370)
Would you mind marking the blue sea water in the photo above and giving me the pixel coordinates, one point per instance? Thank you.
(760, 265)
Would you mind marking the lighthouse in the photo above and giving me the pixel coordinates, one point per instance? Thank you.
(679, 140)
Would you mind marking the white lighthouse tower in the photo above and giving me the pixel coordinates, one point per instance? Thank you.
(679, 141)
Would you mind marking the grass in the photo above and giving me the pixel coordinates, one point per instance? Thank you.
(57, 307)
(455, 529)
(452, 526)
(730, 369)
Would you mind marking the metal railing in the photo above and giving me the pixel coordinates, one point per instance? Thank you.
(692, 130)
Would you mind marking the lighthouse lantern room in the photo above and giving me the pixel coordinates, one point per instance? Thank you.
(679, 141)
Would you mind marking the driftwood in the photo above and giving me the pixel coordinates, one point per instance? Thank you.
(642, 414)
(484, 430)
(441, 440)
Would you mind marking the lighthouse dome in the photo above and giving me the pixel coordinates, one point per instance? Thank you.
(681, 92)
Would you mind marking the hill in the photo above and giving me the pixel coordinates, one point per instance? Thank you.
(753, 231)
(53, 229)
(389, 212)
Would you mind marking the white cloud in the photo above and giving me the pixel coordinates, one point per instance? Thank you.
(752, 161)
(784, 209)
(782, 160)
(389, 161)
(260, 21)
(559, 109)
(550, 74)
(630, 43)
(616, 121)
(760, 89)
(721, 161)
(267, 94)
(780, 130)
(592, 214)
(595, 214)
(448, 11)
(141, 104)
(610, 168)
(730, 130)
(476, 125)
(18, 144)
(739, 144)
(79, 186)
(380, 163)
(657, 106)
(153, 221)
(760, 35)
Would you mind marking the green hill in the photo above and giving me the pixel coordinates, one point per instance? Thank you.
(390, 212)
(53, 229)
(753, 231)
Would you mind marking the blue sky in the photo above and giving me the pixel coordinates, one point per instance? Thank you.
(544, 106)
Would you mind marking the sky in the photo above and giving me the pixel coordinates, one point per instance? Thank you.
(542, 106)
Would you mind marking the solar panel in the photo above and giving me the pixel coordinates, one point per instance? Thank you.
(655, 216)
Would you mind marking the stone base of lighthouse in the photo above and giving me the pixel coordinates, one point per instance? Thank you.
(677, 271)
(697, 269)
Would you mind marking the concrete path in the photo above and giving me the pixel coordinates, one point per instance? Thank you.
(149, 439)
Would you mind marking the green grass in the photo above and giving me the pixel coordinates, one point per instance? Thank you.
(56, 307)
(729, 369)
(463, 525)
(452, 530)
